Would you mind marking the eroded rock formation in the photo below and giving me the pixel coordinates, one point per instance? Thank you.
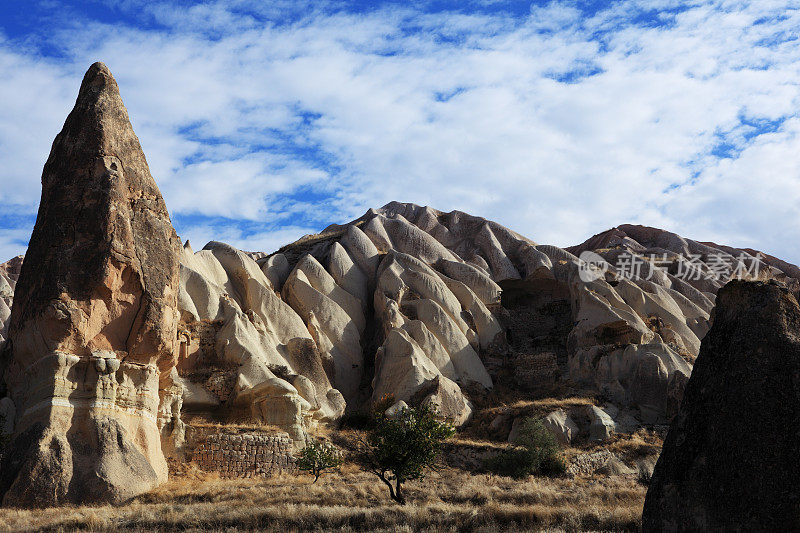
(378, 307)
(430, 306)
(243, 349)
(93, 323)
(9, 273)
(730, 459)
(661, 287)
(112, 341)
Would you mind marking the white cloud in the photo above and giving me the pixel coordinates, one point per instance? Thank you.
(241, 118)
(12, 242)
(34, 102)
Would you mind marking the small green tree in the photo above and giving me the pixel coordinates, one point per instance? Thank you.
(536, 452)
(402, 447)
(318, 457)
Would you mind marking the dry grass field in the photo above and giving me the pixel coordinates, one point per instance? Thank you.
(449, 499)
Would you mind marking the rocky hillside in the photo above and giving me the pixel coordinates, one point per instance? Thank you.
(432, 306)
(406, 301)
(9, 273)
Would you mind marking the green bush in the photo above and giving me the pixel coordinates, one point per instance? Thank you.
(536, 451)
(512, 463)
(402, 447)
(318, 457)
(553, 466)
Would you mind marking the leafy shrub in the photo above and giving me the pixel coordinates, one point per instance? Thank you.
(512, 463)
(402, 447)
(318, 457)
(553, 465)
(536, 452)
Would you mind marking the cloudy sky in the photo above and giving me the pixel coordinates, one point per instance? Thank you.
(558, 120)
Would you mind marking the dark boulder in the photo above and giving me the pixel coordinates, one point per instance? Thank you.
(731, 459)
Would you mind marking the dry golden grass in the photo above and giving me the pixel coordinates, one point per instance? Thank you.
(351, 500)
(505, 395)
(538, 407)
(639, 445)
(449, 499)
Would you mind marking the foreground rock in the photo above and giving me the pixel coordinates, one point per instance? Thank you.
(94, 316)
(730, 460)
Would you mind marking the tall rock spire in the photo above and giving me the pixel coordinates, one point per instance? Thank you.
(93, 322)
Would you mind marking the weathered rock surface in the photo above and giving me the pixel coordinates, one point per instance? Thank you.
(246, 455)
(587, 464)
(267, 363)
(639, 325)
(730, 459)
(93, 322)
(406, 300)
(578, 423)
(370, 303)
(561, 425)
(9, 273)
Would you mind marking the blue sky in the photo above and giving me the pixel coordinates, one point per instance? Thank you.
(265, 121)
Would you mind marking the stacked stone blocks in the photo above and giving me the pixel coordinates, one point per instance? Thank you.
(246, 455)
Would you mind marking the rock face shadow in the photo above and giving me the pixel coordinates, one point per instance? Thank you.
(730, 459)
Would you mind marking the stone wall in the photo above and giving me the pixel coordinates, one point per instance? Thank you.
(537, 319)
(246, 454)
